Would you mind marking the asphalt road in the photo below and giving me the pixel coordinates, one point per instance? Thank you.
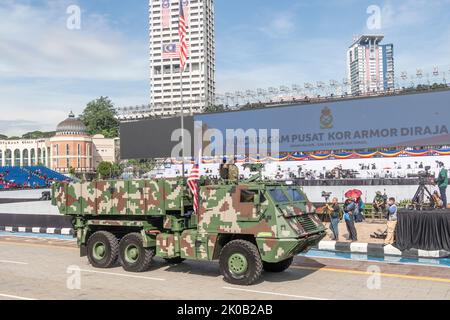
(52, 269)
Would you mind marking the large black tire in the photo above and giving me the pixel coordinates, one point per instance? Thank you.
(176, 260)
(240, 263)
(278, 266)
(102, 249)
(133, 256)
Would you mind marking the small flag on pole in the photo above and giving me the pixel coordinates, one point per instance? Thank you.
(193, 184)
(183, 43)
(166, 15)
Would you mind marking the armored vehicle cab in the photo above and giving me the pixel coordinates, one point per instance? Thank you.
(249, 227)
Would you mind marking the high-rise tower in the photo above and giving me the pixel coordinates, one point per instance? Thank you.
(370, 65)
(199, 75)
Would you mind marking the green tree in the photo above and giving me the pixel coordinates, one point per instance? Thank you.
(38, 135)
(3, 137)
(99, 117)
(104, 169)
(108, 170)
(216, 108)
(72, 171)
(142, 166)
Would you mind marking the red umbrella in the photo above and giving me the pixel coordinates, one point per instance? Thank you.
(354, 194)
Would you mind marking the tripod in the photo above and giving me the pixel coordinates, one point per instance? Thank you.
(418, 202)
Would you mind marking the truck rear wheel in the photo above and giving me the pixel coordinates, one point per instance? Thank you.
(132, 255)
(240, 263)
(103, 248)
(278, 266)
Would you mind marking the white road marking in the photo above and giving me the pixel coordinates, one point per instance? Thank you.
(275, 293)
(13, 262)
(123, 275)
(15, 297)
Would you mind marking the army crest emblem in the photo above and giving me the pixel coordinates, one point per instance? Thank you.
(326, 119)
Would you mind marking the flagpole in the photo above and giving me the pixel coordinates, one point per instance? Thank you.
(182, 121)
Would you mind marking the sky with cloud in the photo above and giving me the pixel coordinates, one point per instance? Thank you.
(46, 70)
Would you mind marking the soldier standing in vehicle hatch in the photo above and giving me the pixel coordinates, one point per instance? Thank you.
(223, 169)
(233, 171)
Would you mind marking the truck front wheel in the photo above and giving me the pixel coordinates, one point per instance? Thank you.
(103, 248)
(278, 266)
(132, 255)
(240, 263)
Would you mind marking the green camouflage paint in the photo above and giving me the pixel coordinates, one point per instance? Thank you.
(156, 207)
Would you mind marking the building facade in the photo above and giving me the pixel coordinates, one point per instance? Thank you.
(25, 152)
(370, 65)
(198, 80)
(71, 148)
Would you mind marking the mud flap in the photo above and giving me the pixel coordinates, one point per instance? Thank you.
(83, 251)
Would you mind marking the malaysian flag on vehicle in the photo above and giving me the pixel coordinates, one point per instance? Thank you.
(193, 184)
(166, 15)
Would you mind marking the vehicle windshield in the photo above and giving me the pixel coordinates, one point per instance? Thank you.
(296, 195)
(278, 195)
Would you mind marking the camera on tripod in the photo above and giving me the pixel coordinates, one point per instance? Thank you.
(326, 196)
(418, 201)
(423, 175)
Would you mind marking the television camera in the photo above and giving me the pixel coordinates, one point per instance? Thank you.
(426, 179)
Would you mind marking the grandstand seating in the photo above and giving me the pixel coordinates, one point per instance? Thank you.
(28, 177)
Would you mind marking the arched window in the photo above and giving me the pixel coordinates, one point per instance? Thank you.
(17, 157)
(33, 157)
(25, 157)
(8, 157)
(39, 156)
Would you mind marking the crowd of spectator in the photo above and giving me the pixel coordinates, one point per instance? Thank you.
(12, 178)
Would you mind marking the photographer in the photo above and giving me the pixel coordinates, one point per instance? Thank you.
(392, 222)
(442, 182)
(334, 210)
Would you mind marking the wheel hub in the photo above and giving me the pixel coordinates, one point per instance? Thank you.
(131, 253)
(237, 264)
(99, 250)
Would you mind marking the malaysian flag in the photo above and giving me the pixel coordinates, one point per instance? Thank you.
(166, 15)
(182, 34)
(170, 51)
(193, 184)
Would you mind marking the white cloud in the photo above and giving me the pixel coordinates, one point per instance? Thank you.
(411, 14)
(279, 24)
(35, 42)
(46, 70)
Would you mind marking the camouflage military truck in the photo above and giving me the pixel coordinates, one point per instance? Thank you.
(249, 227)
